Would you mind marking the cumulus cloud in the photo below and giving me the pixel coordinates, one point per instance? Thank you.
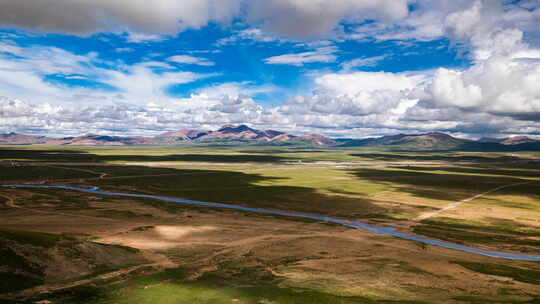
(87, 17)
(238, 105)
(362, 103)
(353, 83)
(295, 18)
(422, 24)
(316, 18)
(23, 116)
(498, 85)
(504, 77)
(362, 100)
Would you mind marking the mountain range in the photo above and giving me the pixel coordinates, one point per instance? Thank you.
(226, 134)
(243, 134)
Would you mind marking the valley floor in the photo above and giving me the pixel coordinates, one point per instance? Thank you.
(71, 247)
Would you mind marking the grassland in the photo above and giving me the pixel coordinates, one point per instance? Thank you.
(204, 255)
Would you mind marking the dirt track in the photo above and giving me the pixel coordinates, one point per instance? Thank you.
(463, 201)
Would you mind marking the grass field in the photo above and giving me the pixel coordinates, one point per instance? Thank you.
(204, 255)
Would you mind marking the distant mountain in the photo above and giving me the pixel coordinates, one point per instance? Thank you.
(22, 139)
(517, 140)
(428, 141)
(86, 140)
(243, 134)
(231, 132)
(226, 134)
(317, 140)
(514, 140)
(179, 136)
(96, 140)
(491, 140)
(436, 141)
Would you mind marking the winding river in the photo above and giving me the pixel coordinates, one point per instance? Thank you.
(346, 223)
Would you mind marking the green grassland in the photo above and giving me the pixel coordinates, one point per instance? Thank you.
(262, 177)
(39, 239)
(170, 287)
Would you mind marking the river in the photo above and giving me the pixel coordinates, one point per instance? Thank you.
(343, 222)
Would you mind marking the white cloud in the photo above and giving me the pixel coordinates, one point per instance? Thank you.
(504, 77)
(353, 83)
(137, 37)
(362, 62)
(186, 59)
(499, 92)
(497, 85)
(463, 23)
(362, 100)
(23, 77)
(234, 89)
(323, 54)
(359, 104)
(249, 34)
(449, 88)
(10, 48)
(238, 105)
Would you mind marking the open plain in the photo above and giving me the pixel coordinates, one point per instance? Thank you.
(71, 247)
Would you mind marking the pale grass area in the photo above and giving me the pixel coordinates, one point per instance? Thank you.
(455, 205)
(493, 207)
(396, 196)
(159, 238)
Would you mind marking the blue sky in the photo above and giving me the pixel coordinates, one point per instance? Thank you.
(242, 60)
(346, 68)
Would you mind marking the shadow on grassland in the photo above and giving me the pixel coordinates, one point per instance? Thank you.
(449, 157)
(81, 156)
(433, 185)
(221, 186)
(475, 170)
(239, 188)
(501, 233)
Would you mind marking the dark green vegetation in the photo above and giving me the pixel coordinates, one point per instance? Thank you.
(20, 273)
(42, 173)
(39, 239)
(244, 189)
(443, 156)
(33, 258)
(477, 235)
(74, 155)
(518, 274)
(171, 286)
(238, 154)
(433, 185)
(495, 299)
